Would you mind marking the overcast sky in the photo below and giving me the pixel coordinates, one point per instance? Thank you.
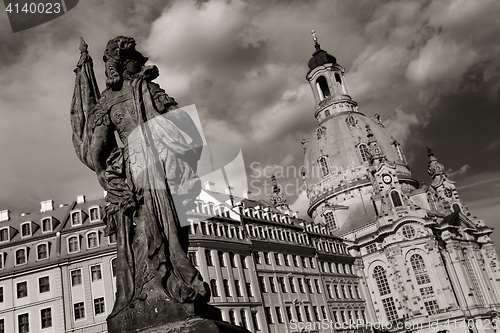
(429, 68)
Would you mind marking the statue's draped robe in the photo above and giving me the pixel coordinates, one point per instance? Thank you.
(141, 207)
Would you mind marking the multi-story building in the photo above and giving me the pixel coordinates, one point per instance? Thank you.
(265, 267)
(422, 258)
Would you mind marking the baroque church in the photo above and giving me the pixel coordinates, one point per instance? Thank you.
(425, 264)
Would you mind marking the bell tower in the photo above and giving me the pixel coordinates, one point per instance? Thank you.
(328, 84)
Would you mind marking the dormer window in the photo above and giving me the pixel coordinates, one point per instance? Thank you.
(323, 164)
(322, 86)
(42, 251)
(92, 240)
(76, 218)
(73, 244)
(21, 257)
(26, 229)
(94, 214)
(4, 234)
(47, 224)
(396, 199)
(363, 152)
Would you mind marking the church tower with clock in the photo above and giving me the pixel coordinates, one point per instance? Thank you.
(420, 255)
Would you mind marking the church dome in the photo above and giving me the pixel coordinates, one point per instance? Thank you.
(337, 158)
(320, 57)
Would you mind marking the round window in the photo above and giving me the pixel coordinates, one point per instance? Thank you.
(408, 232)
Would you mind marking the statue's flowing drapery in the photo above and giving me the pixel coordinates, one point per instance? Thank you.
(141, 206)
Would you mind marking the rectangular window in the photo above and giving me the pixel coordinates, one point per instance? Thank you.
(272, 284)
(257, 258)
(279, 316)
(371, 248)
(350, 292)
(249, 289)
(94, 214)
(356, 288)
(76, 277)
(75, 218)
(316, 284)
(227, 291)
(308, 313)
(24, 323)
(301, 285)
(281, 281)
(287, 261)
(2, 326)
(304, 262)
(1, 294)
(426, 291)
(95, 272)
(99, 306)
(336, 288)
(192, 257)
(277, 259)
(323, 312)
(244, 261)
(299, 314)
(309, 286)
(46, 316)
(269, 315)
(22, 289)
(288, 313)
(44, 284)
(262, 284)
(295, 261)
(267, 258)
(208, 256)
(390, 309)
(79, 310)
(431, 307)
(238, 288)
(292, 285)
(316, 313)
(343, 291)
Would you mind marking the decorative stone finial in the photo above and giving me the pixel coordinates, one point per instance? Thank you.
(315, 39)
(369, 131)
(429, 152)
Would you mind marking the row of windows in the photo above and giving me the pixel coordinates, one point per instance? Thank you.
(211, 209)
(227, 290)
(281, 281)
(95, 274)
(305, 261)
(78, 216)
(265, 214)
(319, 228)
(275, 316)
(325, 246)
(233, 261)
(345, 292)
(42, 250)
(23, 321)
(92, 241)
(277, 234)
(99, 308)
(243, 319)
(22, 288)
(336, 268)
(349, 316)
(216, 229)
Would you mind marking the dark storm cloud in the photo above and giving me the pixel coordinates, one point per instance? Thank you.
(429, 68)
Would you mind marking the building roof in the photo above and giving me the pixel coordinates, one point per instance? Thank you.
(320, 57)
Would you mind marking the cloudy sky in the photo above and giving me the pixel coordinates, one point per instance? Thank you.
(429, 68)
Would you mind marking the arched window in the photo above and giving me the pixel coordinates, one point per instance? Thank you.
(21, 257)
(213, 287)
(92, 240)
(227, 291)
(381, 280)
(456, 208)
(232, 318)
(396, 199)
(232, 259)
(113, 267)
(324, 91)
(4, 235)
(244, 322)
(73, 244)
(330, 221)
(363, 152)
(42, 252)
(418, 265)
(221, 258)
(323, 164)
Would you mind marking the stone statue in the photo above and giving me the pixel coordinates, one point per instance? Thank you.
(149, 174)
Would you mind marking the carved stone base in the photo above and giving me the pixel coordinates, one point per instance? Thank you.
(196, 325)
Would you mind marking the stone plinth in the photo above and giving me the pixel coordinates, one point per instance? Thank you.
(196, 325)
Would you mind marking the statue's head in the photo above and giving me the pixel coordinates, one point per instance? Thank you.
(121, 60)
